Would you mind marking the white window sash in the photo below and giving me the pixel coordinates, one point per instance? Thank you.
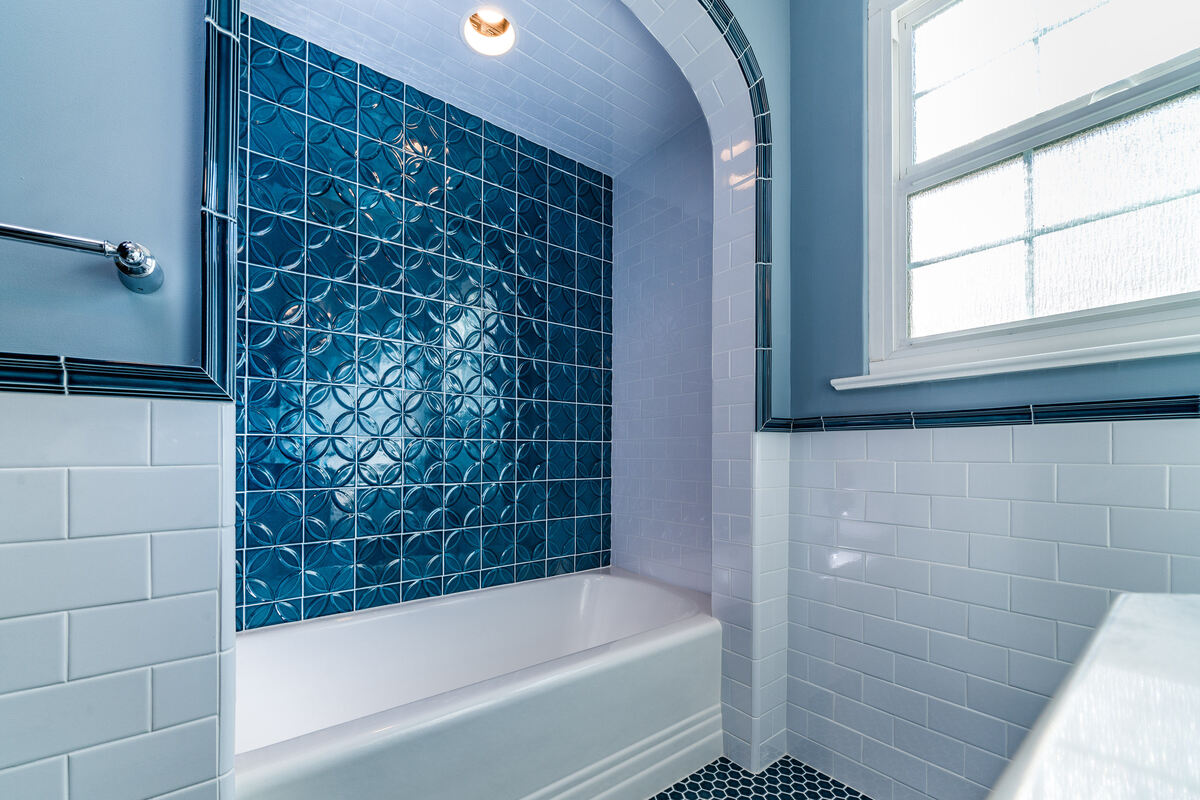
(1164, 326)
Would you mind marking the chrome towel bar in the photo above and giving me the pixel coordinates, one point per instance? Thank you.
(137, 268)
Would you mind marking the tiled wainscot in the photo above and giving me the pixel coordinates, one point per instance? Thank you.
(424, 372)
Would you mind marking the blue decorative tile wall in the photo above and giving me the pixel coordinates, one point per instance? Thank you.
(424, 355)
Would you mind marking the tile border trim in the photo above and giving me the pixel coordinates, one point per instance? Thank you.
(212, 379)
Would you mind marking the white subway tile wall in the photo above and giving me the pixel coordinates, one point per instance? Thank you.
(116, 598)
(931, 619)
(749, 470)
(662, 371)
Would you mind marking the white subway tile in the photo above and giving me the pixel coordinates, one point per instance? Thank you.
(899, 509)
(814, 474)
(148, 765)
(930, 746)
(970, 515)
(210, 790)
(1071, 640)
(1185, 488)
(34, 503)
(1068, 443)
(1006, 702)
(228, 589)
(185, 432)
(941, 547)
(228, 700)
(936, 613)
(898, 573)
(55, 576)
(33, 652)
(898, 637)
(1160, 441)
(108, 501)
(931, 679)
(1082, 605)
(57, 719)
(969, 656)
(865, 597)
(1113, 485)
(41, 780)
(1013, 556)
(900, 445)
(184, 561)
(139, 634)
(1012, 481)
(1016, 631)
(895, 700)
(839, 504)
(933, 478)
(1060, 522)
(1036, 674)
(967, 726)
(75, 430)
(1173, 532)
(1113, 569)
(872, 537)
(864, 658)
(186, 690)
(969, 585)
(868, 476)
(973, 444)
(836, 561)
(1185, 574)
(839, 445)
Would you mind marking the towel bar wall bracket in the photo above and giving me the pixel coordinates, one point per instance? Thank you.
(137, 267)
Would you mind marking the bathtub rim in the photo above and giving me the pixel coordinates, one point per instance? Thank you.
(702, 601)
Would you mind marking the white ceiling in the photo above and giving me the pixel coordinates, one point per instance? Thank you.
(585, 77)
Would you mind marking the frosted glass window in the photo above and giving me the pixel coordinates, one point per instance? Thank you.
(980, 66)
(1105, 217)
(984, 288)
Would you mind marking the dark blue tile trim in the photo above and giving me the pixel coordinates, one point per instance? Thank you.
(1153, 408)
(874, 421)
(1100, 411)
(212, 378)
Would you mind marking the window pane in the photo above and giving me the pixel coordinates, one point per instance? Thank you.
(985, 288)
(986, 207)
(1153, 252)
(1144, 158)
(1108, 216)
(983, 65)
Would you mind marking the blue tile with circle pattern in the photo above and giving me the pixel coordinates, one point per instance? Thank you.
(786, 779)
(424, 344)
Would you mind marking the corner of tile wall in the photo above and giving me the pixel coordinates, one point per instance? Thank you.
(116, 590)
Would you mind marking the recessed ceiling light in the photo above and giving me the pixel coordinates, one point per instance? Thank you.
(488, 31)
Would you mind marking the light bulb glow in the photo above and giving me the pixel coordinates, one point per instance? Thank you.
(489, 32)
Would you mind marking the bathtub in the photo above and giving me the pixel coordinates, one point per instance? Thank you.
(593, 685)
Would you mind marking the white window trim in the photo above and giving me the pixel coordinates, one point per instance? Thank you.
(1146, 329)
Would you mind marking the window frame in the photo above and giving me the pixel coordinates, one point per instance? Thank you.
(1142, 329)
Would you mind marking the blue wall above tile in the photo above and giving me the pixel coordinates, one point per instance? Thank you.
(424, 355)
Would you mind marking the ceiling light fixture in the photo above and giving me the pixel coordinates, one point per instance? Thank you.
(488, 31)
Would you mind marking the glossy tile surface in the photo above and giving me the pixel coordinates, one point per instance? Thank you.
(786, 779)
(424, 373)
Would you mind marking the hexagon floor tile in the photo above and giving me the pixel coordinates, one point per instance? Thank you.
(786, 779)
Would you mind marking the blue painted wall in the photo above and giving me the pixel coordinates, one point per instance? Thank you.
(424, 376)
(104, 146)
(828, 223)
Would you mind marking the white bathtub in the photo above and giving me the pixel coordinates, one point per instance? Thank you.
(593, 685)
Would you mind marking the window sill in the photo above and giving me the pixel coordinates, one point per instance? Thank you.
(895, 372)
